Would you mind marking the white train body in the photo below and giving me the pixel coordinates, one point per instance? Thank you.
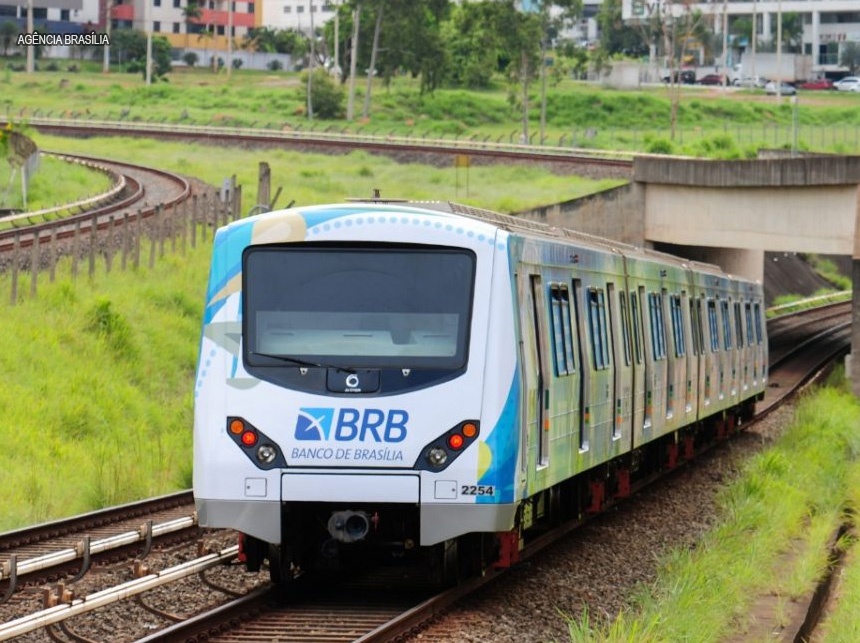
(433, 370)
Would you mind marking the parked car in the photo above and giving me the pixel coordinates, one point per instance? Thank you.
(848, 84)
(683, 77)
(821, 83)
(784, 89)
(711, 79)
(757, 82)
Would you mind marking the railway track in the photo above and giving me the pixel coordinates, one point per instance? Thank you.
(143, 190)
(381, 605)
(481, 149)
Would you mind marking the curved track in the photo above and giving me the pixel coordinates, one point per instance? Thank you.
(145, 189)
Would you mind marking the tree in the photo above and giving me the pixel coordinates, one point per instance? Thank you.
(8, 35)
(327, 97)
(619, 37)
(130, 47)
(850, 56)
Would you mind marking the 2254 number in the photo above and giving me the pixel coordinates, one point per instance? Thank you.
(477, 490)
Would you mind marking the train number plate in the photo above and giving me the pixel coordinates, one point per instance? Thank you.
(477, 490)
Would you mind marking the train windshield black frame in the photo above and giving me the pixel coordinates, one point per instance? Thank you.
(358, 306)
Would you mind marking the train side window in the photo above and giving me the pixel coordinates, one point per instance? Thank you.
(757, 320)
(727, 328)
(625, 328)
(637, 327)
(598, 328)
(696, 326)
(712, 325)
(739, 328)
(749, 321)
(678, 326)
(658, 326)
(562, 339)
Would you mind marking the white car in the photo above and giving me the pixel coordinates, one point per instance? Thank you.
(848, 84)
(784, 89)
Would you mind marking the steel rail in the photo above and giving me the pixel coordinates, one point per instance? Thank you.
(100, 599)
(59, 557)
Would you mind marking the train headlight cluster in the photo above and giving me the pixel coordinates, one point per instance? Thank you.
(443, 450)
(262, 451)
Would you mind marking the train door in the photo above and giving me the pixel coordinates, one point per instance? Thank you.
(729, 361)
(535, 367)
(716, 391)
(639, 375)
(697, 343)
(623, 357)
(655, 357)
(742, 350)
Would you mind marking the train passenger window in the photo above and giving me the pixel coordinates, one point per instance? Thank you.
(562, 339)
(739, 328)
(625, 328)
(727, 328)
(658, 326)
(598, 328)
(757, 319)
(712, 325)
(678, 326)
(749, 321)
(696, 326)
(637, 327)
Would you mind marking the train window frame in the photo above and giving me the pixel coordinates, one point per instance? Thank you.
(757, 320)
(749, 323)
(739, 324)
(626, 343)
(678, 335)
(696, 328)
(598, 328)
(562, 334)
(713, 325)
(658, 325)
(636, 317)
(726, 324)
(427, 368)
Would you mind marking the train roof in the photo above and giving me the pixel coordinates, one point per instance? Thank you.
(528, 227)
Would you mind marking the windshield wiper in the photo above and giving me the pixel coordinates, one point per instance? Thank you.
(300, 362)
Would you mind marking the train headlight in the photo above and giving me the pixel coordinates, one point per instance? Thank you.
(266, 454)
(437, 456)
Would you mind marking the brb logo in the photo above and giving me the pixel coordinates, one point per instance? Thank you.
(321, 424)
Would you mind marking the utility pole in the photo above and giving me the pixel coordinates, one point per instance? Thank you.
(106, 59)
(311, 63)
(779, 50)
(31, 51)
(229, 37)
(352, 62)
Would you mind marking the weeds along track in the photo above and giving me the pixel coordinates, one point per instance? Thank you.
(136, 194)
(198, 591)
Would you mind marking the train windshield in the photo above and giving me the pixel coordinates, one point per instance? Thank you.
(365, 307)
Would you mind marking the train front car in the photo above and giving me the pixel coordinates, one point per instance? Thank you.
(342, 408)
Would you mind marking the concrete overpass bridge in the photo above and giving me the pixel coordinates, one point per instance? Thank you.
(731, 212)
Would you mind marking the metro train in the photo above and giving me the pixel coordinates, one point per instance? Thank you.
(435, 383)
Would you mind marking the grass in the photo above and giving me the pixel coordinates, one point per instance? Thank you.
(730, 125)
(786, 504)
(319, 178)
(55, 182)
(98, 391)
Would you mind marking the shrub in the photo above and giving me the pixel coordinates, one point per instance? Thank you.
(190, 58)
(274, 65)
(326, 95)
